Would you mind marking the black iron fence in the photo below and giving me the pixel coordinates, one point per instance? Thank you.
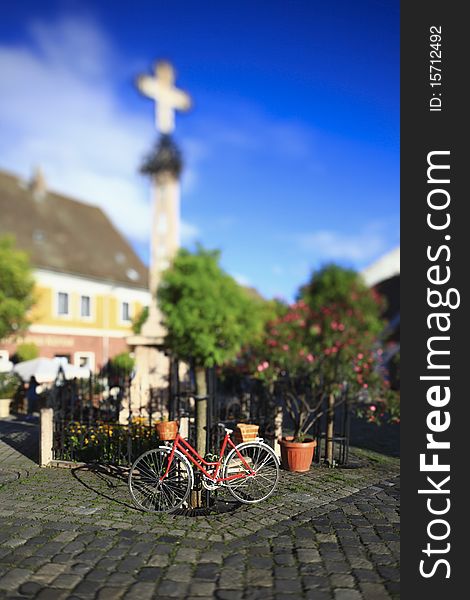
(98, 420)
(95, 421)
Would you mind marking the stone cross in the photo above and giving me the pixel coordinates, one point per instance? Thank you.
(160, 88)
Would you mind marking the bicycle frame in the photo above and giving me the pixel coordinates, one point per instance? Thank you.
(191, 454)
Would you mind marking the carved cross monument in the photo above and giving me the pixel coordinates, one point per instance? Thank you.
(167, 97)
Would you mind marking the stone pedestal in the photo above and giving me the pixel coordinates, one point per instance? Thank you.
(150, 385)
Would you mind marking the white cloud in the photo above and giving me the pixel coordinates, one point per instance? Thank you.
(189, 232)
(242, 280)
(357, 247)
(59, 109)
(247, 127)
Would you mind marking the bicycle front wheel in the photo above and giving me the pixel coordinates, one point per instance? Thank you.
(151, 494)
(252, 488)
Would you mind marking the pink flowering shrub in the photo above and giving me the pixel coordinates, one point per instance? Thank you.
(312, 351)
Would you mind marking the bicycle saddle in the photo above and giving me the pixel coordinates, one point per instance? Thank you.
(229, 431)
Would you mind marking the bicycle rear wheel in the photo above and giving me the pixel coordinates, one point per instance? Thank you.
(250, 489)
(151, 494)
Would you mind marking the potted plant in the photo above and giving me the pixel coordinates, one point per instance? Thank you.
(303, 402)
(8, 387)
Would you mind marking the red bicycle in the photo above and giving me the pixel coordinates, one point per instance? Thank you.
(160, 480)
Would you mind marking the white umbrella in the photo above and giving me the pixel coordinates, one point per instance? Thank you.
(46, 370)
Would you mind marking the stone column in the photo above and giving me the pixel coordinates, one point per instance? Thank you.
(152, 365)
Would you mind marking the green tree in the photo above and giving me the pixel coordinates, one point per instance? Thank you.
(27, 351)
(123, 363)
(139, 320)
(347, 291)
(208, 317)
(16, 288)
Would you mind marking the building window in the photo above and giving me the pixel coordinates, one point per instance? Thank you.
(62, 303)
(85, 306)
(85, 359)
(125, 311)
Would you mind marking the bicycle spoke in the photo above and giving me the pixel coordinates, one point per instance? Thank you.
(153, 488)
(254, 485)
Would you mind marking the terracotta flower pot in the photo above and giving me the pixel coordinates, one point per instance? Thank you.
(297, 456)
(167, 430)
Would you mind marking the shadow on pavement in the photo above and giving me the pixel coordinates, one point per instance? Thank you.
(110, 482)
(380, 438)
(22, 435)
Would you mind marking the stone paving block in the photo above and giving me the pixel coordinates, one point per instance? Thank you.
(179, 572)
(33, 562)
(366, 575)
(374, 591)
(96, 575)
(335, 566)
(130, 564)
(393, 587)
(87, 589)
(259, 578)
(210, 556)
(108, 564)
(53, 594)
(308, 556)
(158, 560)
(149, 574)
(30, 588)
(201, 588)
(318, 595)
(229, 594)
(143, 590)
(258, 594)
(260, 562)
(14, 578)
(225, 581)
(358, 562)
(110, 593)
(186, 555)
(66, 581)
(346, 594)
(48, 572)
(284, 559)
(66, 536)
(207, 571)
(235, 560)
(342, 580)
(285, 572)
(120, 579)
(63, 558)
(172, 589)
(287, 586)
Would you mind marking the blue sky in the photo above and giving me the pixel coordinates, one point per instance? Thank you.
(291, 149)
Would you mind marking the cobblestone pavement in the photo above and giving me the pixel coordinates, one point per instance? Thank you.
(72, 533)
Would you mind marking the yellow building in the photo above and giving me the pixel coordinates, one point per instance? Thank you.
(90, 284)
